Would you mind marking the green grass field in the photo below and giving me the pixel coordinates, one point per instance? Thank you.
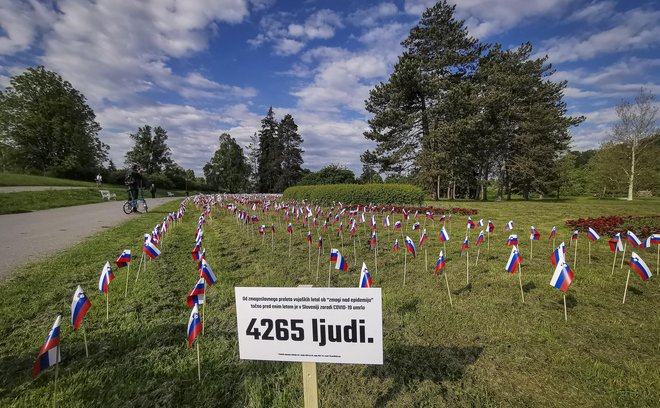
(489, 349)
(14, 179)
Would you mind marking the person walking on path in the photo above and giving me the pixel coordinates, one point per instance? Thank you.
(134, 182)
(99, 179)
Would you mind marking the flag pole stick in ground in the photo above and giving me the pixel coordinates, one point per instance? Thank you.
(375, 257)
(531, 249)
(575, 255)
(329, 270)
(107, 305)
(614, 261)
(487, 244)
(290, 245)
(625, 245)
(589, 252)
(204, 314)
(85, 339)
(57, 371)
(309, 256)
(199, 366)
(477, 260)
(318, 265)
(448, 291)
(467, 267)
(625, 291)
(405, 264)
(128, 271)
(522, 293)
(565, 313)
(354, 251)
(426, 260)
(139, 266)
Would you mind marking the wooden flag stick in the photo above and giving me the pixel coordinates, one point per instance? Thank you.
(375, 257)
(272, 240)
(309, 256)
(477, 260)
(290, 245)
(107, 307)
(354, 251)
(553, 242)
(575, 256)
(625, 291)
(625, 245)
(522, 293)
(405, 264)
(614, 261)
(203, 314)
(657, 259)
(85, 339)
(199, 366)
(589, 252)
(57, 371)
(565, 313)
(128, 272)
(487, 243)
(448, 291)
(137, 275)
(531, 249)
(329, 270)
(318, 265)
(426, 258)
(467, 267)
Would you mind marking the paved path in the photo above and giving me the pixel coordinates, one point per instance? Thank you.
(30, 236)
(16, 189)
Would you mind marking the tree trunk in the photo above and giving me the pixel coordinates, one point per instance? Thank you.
(632, 171)
(437, 188)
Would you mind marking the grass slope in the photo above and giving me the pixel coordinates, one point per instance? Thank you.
(26, 201)
(488, 350)
(14, 179)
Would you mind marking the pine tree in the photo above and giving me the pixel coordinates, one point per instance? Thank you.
(291, 156)
(270, 154)
(228, 170)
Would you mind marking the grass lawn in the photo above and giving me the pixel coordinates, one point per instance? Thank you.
(26, 201)
(13, 179)
(489, 349)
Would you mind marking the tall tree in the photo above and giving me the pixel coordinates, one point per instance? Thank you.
(270, 155)
(291, 154)
(228, 169)
(46, 125)
(330, 174)
(150, 151)
(634, 130)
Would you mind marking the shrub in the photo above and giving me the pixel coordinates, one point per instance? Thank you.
(611, 225)
(358, 193)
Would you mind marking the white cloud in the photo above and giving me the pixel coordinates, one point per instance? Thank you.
(372, 16)
(287, 46)
(594, 12)
(633, 30)
(22, 21)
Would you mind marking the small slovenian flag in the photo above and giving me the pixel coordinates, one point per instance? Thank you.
(396, 245)
(480, 238)
(423, 238)
(443, 218)
(410, 246)
(386, 221)
(534, 234)
(309, 237)
(470, 223)
(429, 215)
(509, 226)
(397, 225)
(558, 254)
(615, 243)
(341, 263)
(320, 242)
(325, 226)
(106, 277)
(49, 354)
(637, 264)
(632, 238)
(373, 222)
(194, 325)
(365, 277)
(353, 229)
(465, 245)
(575, 235)
(416, 226)
(562, 277)
(289, 229)
(207, 273)
(272, 228)
(513, 240)
(195, 251)
(124, 259)
(372, 243)
(553, 233)
(441, 263)
(514, 260)
(79, 307)
(262, 230)
(443, 235)
(491, 227)
(151, 249)
(480, 223)
(196, 296)
(333, 255)
(592, 234)
(652, 240)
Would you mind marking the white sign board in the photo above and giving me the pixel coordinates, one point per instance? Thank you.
(323, 325)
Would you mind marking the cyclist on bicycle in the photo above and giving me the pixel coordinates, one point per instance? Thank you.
(134, 182)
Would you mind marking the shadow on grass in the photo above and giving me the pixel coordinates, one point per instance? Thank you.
(464, 289)
(571, 301)
(406, 365)
(528, 287)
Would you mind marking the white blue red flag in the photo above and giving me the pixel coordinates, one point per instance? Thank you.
(653, 239)
(553, 232)
(423, 238)
(480, 238)
(632, 238)
(196, 296)
(480, 223)
(309, 237)
(513, 240)
(509, 226)
(397, 225)
(514, 260)
(396, 245)
(441, 263)
(124, 259)
(592, 234)
(151, 249)
(365, 277)
(615, 243)
(386, 221)
(562, 277)
(411, 247)
(340, 263)
(470, 223)
(106, 277)
(416, 226)
(194, 325)
(639, 266)
(558, 254)
(491, 227)
(534, 234)
(334, 254)
(49, 354)
(372, 242)
(79, 307)
(429, 215)
(320, 245)
(207, 273)
(465, 245)
(444, 236)
(289, 229)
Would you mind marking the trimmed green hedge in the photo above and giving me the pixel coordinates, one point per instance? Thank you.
(358, 193)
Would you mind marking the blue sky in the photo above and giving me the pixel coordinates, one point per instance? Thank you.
(202, 67)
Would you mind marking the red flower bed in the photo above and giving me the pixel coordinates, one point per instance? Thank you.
(614, 224)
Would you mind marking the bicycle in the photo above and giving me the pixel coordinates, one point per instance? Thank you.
(140, 202)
